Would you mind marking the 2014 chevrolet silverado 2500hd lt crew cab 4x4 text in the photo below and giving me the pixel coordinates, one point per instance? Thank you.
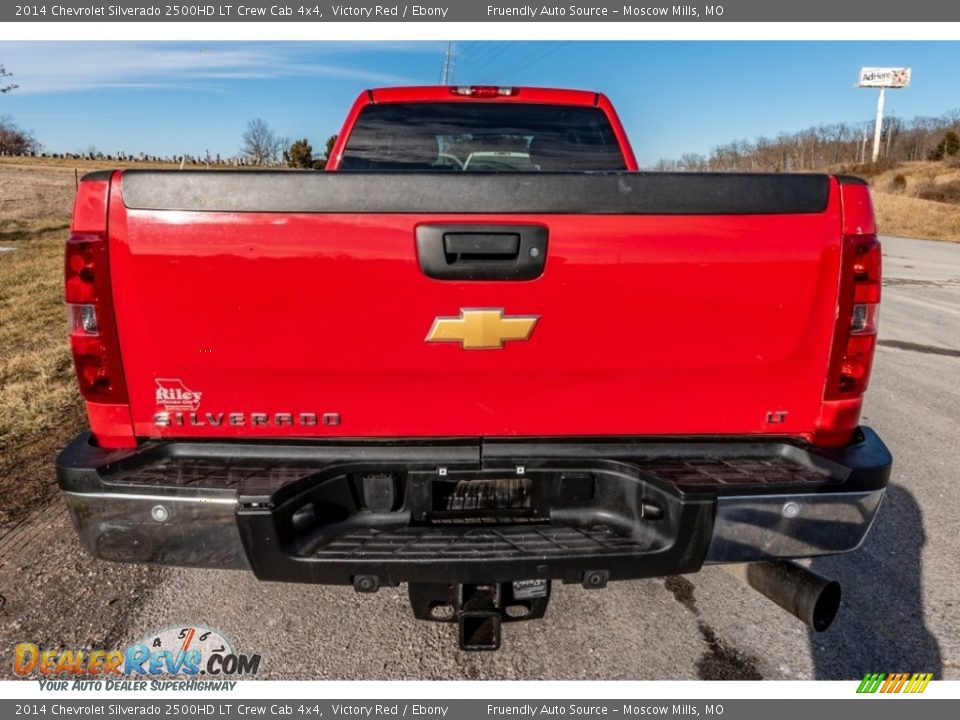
(482, 353)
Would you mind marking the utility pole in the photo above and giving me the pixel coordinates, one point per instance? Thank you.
(447, 65)
(878, 126)
(891, 126)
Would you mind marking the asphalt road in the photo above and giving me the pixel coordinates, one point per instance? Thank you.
(901, 609)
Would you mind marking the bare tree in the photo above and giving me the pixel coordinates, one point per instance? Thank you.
(14, 140)
(827, 147)
(6, 88)
(663, 165)
(260, 143)
(692, 162)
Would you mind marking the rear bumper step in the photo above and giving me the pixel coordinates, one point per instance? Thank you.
(459, 513)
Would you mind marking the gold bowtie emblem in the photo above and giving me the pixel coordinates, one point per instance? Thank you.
(482, 329)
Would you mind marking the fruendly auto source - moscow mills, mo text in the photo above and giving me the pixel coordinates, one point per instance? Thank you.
(592, 11)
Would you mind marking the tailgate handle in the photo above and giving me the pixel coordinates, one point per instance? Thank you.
(482, 252)
(468, 247)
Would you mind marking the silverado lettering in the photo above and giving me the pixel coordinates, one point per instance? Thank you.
(551, 365)
(239, 419)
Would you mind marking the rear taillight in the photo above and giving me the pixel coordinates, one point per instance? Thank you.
(91, 323)
(858, 309)
(857, 315)
(93, 336)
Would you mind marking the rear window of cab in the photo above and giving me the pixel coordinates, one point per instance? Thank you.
(484, 137)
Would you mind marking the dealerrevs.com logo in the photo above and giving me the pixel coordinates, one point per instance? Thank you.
(189, 653)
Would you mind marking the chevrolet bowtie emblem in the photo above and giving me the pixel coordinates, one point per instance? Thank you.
(482, 329)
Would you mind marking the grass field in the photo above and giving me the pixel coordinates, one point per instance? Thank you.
(912, 217)
(39, 405)
(901, 212)
(77, 167)
(40, 408)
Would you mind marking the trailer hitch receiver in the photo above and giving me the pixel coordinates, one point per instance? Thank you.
(480, 609)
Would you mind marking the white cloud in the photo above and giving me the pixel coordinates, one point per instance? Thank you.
(59, 67)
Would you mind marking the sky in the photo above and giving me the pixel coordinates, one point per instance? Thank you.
(171, 98)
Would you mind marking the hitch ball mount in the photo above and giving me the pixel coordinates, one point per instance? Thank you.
(480, 609)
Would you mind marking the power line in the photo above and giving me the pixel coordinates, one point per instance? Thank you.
(484, 52)
(492, 57)
(536, 50)
(534, 61)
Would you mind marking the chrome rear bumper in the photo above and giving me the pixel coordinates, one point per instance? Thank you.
(203, 506)
(202, 532)
(768, 527)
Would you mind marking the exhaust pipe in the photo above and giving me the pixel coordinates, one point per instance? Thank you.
(803, 593)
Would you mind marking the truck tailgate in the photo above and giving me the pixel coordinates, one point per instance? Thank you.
(267, 304)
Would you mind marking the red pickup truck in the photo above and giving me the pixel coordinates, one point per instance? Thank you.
(483, 353)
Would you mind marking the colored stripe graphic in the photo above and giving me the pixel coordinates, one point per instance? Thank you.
(894, 683)
(919, 682)
(901, 678)
(871, 682)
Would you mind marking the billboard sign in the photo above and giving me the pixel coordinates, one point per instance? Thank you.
(884, 77)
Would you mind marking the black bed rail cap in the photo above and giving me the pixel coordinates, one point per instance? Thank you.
(484, 193)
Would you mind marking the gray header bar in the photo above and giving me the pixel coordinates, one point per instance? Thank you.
(631, 11)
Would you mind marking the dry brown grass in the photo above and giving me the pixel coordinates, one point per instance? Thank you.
(916, 174)
(916, 200)
(77, 167)
(39, 404)
(36, 373)
(912, 217)
(69, 165)
(31, 199)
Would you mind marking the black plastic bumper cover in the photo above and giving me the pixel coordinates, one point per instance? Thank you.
(471, 511)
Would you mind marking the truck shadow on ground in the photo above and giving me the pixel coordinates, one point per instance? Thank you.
(880, 626)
